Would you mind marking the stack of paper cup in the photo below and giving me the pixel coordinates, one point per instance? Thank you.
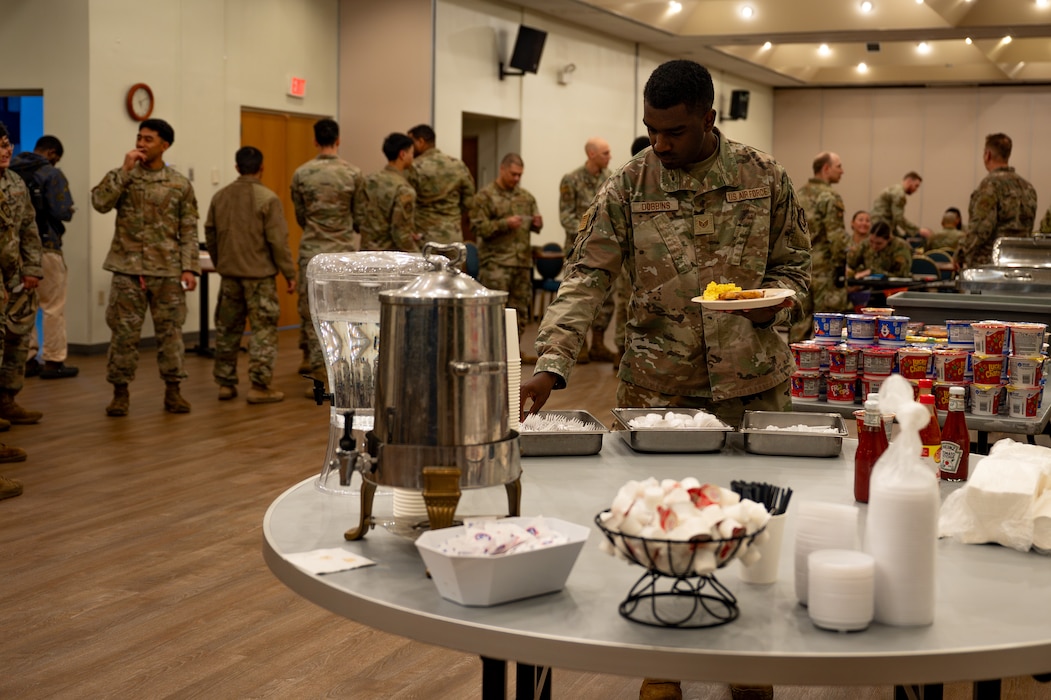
(819, 526)
(409, 503)
(514, 368)
(841, 590)
(764, 571)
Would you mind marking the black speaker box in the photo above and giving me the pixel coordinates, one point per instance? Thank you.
(739, 104)
(529, 45)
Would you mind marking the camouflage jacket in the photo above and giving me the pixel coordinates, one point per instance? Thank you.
(386, 210)
(20, 247)
(444, 189)
(1045, 223)
(498, 244)
(946, 238)
(575, 193)
(675, 233)
(828, 243)
(1003, 205)
(156, 230)
(889, 207)
(323, 192)
(894, 261)
(246, 233)
(57, 197)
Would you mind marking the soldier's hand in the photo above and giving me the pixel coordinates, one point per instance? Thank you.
(513, 222)
(538, 389)
(291, 286)
(131, 159)
(30, 282)
(538, 222)
(189, 281)
(765, 314)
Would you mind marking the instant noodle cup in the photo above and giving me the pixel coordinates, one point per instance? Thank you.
(843, 360)
(960, 333)
(941, 394)
(805, 385)
(861, 329)
(828, 327)
(1025, 371)
(914, 363)
(1023, 401)
(877, 311)
(891, 330)
(990, 337)
(841, 389)
(985, 399)
(1027, 338)
(807, 356)
(987, 369)
(879, 362)
(950, 364)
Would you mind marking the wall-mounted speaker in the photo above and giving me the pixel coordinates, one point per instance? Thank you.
(739, 104)
(529, 45)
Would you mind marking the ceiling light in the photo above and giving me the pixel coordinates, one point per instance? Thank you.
(767, 46)
(919, 2)
(674, 7)
(968, 41)
(863, 67)
(1043, 3)
(747, 12)
(824, 50)
(866, 7)
(923, 47)
(1006, 40)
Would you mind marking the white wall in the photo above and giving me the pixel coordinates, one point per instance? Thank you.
(883, 133)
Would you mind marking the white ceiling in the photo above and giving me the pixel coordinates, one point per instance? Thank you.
(714, 33)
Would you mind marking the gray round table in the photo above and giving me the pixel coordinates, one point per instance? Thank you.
(993, 617)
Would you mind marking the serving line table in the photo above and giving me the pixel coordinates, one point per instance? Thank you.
(993, 616)
(983, 425)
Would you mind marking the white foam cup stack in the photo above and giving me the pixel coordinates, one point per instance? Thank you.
(514, 368)
(409, 503)
(841, 589)
(821, 525)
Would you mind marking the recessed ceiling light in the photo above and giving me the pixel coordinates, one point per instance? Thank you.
(767, 46)
(866, 7)
(824, 50)
(674, 7)
(1006, 40)
(919, 2)
(747, 12)
(968, 41)
(1043, 3)
(923, 47)
(863, 67)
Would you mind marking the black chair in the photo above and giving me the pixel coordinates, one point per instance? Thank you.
(548, 262)
(472, 265)
(924, 266)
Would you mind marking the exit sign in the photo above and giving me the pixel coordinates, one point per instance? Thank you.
(298, 87)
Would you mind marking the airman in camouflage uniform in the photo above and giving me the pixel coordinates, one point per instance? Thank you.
(323, 191)
(1003, 205)
(154, 259)
(247, 237)
(951, 234)
(882, 254)
(17, 231)
(694, 209)
(828, 244)
(1045, 223)
(444, 189)
(502, 216)
(889, 207)
(386, 205)
(576, 192)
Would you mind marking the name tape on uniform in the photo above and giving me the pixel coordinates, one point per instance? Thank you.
(754, 193)
(662, 205)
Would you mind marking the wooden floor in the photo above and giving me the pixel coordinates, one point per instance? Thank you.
(131, 566)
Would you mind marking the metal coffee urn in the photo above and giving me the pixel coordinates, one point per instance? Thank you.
(441, 421)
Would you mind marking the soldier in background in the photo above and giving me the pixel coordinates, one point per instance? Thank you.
(386, 204)
(444, 189)
(1004, 204)
(502, 217)
(670, 214)
(154, 259)
(828, 245)
(1045, 223)
(323, 191)
(889, 207)
(881, 254)
(55, 208)
(247, 237)
(17, 221)
(576, 192)
(952, 231)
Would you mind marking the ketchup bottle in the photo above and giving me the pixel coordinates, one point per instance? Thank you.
(872, 442)
(956, 441)
(931, 436)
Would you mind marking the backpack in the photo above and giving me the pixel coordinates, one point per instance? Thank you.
(27, 171)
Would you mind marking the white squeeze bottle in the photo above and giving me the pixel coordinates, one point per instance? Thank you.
(901, 531)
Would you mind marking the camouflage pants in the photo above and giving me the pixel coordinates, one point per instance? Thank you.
(308, 341)
(129, 298)
(255, 301)
(729, 411)
(517, 282)
(21, 316)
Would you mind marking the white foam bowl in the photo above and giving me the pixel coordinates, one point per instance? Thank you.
(484, 580)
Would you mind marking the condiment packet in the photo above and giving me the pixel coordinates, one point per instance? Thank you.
(328, 561)
(494, 537)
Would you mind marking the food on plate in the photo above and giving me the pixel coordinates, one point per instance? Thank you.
(743, 294)
(729, 292)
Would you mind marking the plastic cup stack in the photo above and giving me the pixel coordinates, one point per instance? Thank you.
(841, 589)
(821, 525)
(764, 571)
(514, 368)
(409, 503)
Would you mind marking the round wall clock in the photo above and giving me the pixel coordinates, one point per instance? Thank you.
(139, 101)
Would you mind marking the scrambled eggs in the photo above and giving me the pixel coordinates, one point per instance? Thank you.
(713, 290)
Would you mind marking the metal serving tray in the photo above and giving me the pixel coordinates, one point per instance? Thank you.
(563, 443)
(669, 439)
(758, 440)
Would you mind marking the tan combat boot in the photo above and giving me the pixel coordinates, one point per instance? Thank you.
(173, 400)
(304, 364)
(121, 399)
(11, 454)
(5, 425)
(227, 392)
(12, 412)
(262, 394)
(9, 488)
(598, 351)
(657, 689)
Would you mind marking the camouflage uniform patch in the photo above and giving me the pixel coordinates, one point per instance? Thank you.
(894, 261)
(129, 298)
(254, 300)
(20, 255)
(1004, 204)
(386, 208)
(946, 238)
(576, 192)
(444, 189)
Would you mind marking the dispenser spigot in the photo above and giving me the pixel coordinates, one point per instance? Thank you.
(347, 452)
(319, 390)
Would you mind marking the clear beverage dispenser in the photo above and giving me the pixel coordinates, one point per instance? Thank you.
(344, 293)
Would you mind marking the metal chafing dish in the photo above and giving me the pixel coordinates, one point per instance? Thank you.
(1019, 265)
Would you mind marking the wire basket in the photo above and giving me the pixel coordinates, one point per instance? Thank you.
(679, 588)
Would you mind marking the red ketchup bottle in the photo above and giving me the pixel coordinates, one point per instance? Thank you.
(931, 436)
(956, 441)
(872, 442)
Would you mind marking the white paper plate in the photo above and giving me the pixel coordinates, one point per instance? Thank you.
(771, 297)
